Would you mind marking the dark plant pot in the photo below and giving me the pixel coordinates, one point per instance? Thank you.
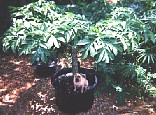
(70, 101)
(44, 70)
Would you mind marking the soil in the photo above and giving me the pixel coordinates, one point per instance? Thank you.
(22, 92)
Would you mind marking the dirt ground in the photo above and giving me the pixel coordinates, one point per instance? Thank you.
(22, 92)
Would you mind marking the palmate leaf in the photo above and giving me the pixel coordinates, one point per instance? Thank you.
(115, 51)
(62, 39)
(56, 43)
(105, 54)
(25, 49)
(53, 41)
(83, 42)
(150, 58)
(85, 51)
(60, 36)
(34, 57)
(6, 46)
(42, 56)
(97, 45)
(124, 43)
(69, 35)
(92, 51)
(110, 55)
(13, 46)
(113, 46)
(85, 54)
(146, 56)
(21, 50)
(101, 55)
(135, 25)
(106, 58)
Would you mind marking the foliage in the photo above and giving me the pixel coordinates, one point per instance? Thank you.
(132, 69)
(41, 25)
(121, 37)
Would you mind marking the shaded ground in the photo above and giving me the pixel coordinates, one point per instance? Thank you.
(24, 93)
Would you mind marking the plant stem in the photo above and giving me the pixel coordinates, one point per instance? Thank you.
(74, 61)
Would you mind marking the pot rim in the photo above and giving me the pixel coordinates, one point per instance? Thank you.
(90, 87)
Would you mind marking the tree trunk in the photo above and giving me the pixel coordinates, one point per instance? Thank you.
(74, 61)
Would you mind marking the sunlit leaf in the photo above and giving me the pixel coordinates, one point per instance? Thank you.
(92, 51)
(85, 54)
(106, 59)
(56, 43)
(62, 39)
(115, 51)
(83, 42)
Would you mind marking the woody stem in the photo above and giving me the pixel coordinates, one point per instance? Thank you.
(74, 61)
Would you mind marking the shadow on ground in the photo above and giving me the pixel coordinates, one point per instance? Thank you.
(24, 93)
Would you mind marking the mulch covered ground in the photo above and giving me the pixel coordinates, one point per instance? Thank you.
(24, 93)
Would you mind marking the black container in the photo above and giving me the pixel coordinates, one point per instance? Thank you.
(69, 101)
(44, 70)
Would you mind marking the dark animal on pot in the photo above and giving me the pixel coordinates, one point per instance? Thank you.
(80, 82)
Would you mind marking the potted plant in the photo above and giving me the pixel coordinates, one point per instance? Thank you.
(74, 87)
(108, 36)
(40, 27)
(70, 97)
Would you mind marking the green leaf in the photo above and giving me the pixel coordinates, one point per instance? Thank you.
(101, 56)
(13, 47)
(42, 56)
(50, 42)
(115, 51)
(152, 59)
(43, 45)
(92, 51)
(62, 39)
(56, 43)
(68, 36)
(6, 46)
(83, 42)
(34, 57)
(97, 45)
(85, 54)
(124, 43)
(106, 59)
(106, 36)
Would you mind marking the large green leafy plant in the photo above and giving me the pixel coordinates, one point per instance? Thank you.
(135, 42)
(116, 35)
(41, 27)
(31, 31)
